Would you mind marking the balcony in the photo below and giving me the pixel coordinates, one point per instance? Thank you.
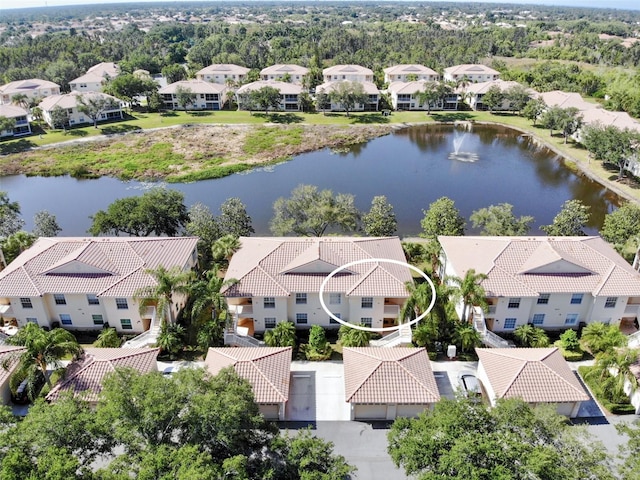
(632, 309)
(391, 311)
(245, 311)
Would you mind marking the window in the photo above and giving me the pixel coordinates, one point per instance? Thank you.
(92, 299)
(65, 319)
(301, 318)
(59, 299)
(97, 319)
(366, 321)
(26, 303)
(514, 302)
(126, 324)
(121, 303)
(367, 302)
(335, 299)
(572, 319)
(338, 315)
(32, 320)
(576, 299)
(538, 318)
(611, 302)
(269, 302)
(509, 323)
(270, 322)
(301, 298)
(543, 299)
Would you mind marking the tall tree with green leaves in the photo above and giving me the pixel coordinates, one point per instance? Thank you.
(10, 220)
(59, 117)
(310, 212)
(622, 224)
(7, 124)
(570, 221)
(497, 220)
(610, 144)
(600, 337)
(469, 290)
(45, 224)
(613, 369)
(93, 106)
(234, 219)
(185, 97)
(224, 248)
(266, 98)
(15, 244)
(534, 109)
(168, 283)
(348, 95)
(442, 218)
(43, 349)
(380, 220)
(493, 98)
(206, 294)
(108, 338)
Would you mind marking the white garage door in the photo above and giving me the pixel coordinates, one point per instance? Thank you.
(270, 411)
(410, 410)
(370, 412)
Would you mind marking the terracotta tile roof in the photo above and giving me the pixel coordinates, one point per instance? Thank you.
(409, 70)
(10, 355)
(369, 87)
(196, 86)
(471, 69)
(267, 369)
(389, 375)
(12, 111)
(281, 69)
(70, 100)
(285, 88)
(347, 70)
(503, 85)
(414, 87)
(105, 69)
(26, 86)
(532, 374)
(224, 68)
(105, 266)
(84, 376)
(280, 266)
(527, 266)
(558, 98)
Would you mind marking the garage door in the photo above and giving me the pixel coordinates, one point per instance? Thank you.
(370, 412)
(270, 411)
(410, 410)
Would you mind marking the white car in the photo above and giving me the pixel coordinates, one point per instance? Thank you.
(469, 385)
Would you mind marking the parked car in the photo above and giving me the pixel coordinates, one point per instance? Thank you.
(21, 396)
(469, 385)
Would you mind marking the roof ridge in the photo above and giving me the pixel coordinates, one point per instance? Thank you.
(605, 278)
(263, 375)
(123, 277)
(364, 380)
(30, 279)
(408, 372)
(59, 386)
(134, 353)
(564, 380)
(364, 276)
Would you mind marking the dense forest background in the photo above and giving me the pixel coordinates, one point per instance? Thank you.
(592, 51)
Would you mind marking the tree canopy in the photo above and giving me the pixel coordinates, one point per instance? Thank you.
(380, 220)
(570, 221)
(442, 218)
(496, 220)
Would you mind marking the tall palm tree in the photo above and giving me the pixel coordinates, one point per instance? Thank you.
(612, 369)
(469, 290)
(224, 248)
(284, 335)
(419, 299)
(467, 337)
(206, 293)
(42, 348)
(168, 283)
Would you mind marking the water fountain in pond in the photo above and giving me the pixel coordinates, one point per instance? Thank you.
(458, 139)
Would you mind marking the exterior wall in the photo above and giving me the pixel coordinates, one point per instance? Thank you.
(78, 118)
(86, 86)
(412, 102)
(22, 128)
(350, 78)
(388, 78)
(260, 313)
(359, 107)
(270, 411)
(215, 102)
(473, 77)
(5, 393)
(296, 79)
(391, 411)
(481, 375)
(221, 78)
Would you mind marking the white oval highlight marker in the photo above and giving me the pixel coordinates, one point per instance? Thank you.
(377, 260)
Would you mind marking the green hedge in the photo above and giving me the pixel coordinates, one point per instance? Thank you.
(569, 355)
(617, 408)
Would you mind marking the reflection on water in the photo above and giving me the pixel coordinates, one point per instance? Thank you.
(412, 167)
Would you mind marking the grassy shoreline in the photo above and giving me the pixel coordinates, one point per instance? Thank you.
(181, 147)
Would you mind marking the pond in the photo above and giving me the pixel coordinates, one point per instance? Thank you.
(476, 166)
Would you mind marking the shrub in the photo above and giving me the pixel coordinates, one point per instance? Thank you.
(569, 355)
(619, 406)
(599, 337)
(569, 341)
(318, 348)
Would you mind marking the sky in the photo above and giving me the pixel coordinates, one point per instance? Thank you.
(619, 4)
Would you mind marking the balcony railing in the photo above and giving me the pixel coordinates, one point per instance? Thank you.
(391, 311)
(489, 338)
(148, 338)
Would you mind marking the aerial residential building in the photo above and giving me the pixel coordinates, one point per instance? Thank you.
(558, 98)
(289, 94)
(21, 118)
(8, 364)
(71, 103)
(409, 73)
(387, 383)
(88, 283)
(406, 96)
(224, 73)
(34, 89)
(471, 73)
(538, 376)
(95, 78)
(554, 283)
(84, 376)
(350, 73)
(266, 369)
(286, 73)
(279, 278)
(474, 92)
(369, 88)
(209, 96)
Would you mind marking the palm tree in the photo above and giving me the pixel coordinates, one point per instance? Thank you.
(168, 283)
(612, 369)
(206, 293)
(284, 335)
(469, 290)
(418, 301)
(530, 336)
(353, 337)
(43, 348)
(108, 338)
(170, 338)
(467, 336)
(224, 248)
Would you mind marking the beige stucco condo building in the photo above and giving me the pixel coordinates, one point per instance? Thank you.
(554, 283)
(279, 278)
(86, 283)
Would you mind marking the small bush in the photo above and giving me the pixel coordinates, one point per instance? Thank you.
(569, 355)
(318, 348)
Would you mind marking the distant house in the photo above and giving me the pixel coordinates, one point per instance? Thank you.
(536, 375)
(71, 103)
(409, 73)
(95, 78)
(294, 73)
(554, 283)
(21, 118)
(209, 96)
(83, 377)
(558, 98)
(87, 283)
(369, 88)
(406, 96)
(8, 363)
(473, 73)
(266, 369)
(349, 73)
(476, 91)
(289, 93)
(34, 88)
(279, 278)
(223, 73)
(387, 383)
